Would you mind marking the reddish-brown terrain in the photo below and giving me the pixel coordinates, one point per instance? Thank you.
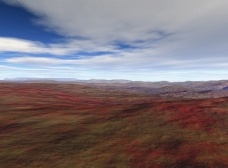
(79, 126)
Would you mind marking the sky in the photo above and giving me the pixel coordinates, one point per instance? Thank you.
(146, 40)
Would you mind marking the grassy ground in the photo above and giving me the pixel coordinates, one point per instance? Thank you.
(73, 126)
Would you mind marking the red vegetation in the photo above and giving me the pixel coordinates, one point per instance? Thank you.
(78, 126)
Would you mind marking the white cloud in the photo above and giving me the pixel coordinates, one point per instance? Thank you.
(13, 44)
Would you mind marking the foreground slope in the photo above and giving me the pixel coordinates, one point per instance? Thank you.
(69, 125)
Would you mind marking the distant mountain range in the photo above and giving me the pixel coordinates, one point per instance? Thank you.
(64, 80)
(188, 89)
(38, 79)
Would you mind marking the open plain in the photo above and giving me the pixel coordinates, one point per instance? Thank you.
(71, 125)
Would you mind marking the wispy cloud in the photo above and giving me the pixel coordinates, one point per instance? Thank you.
(8, 44)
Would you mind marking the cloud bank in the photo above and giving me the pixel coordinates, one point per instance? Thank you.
(145, 36)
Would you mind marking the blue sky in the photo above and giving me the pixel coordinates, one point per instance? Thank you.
(147, 40)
